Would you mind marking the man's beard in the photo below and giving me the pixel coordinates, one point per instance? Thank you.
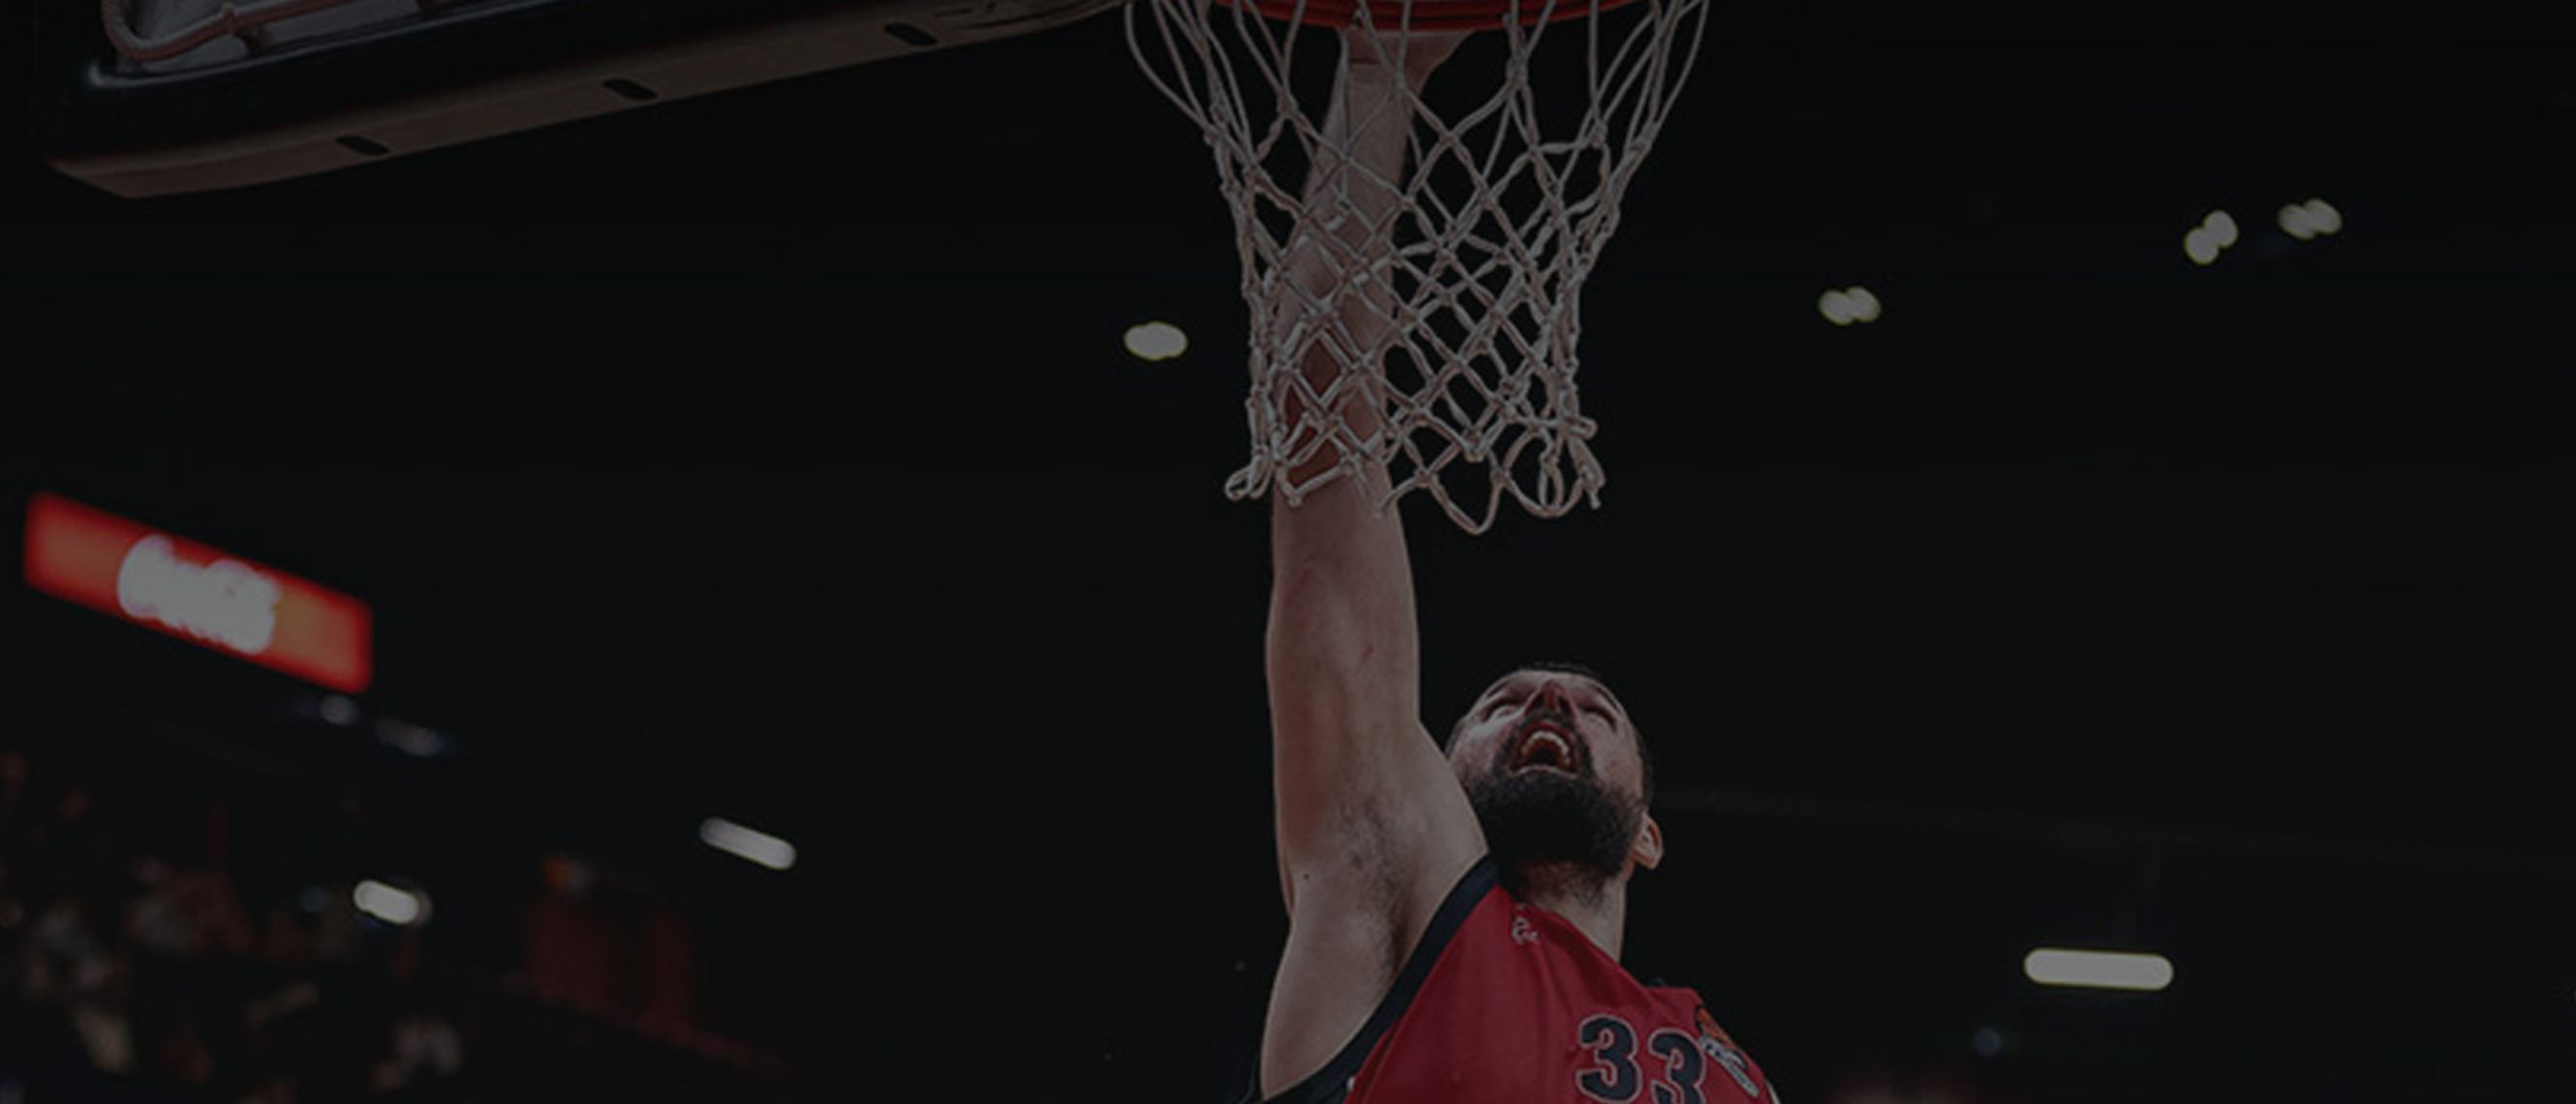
(1573, 828)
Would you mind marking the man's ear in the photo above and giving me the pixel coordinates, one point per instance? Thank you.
(1649, 848)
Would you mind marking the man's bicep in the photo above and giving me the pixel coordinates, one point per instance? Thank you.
(1369, 816)
(1342, 706)
(1365, 801)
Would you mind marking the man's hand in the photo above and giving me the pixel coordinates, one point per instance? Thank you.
(1419, 52)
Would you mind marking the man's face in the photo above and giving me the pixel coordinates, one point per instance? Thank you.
(1550, 761)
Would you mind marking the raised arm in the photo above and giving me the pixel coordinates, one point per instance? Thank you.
(1373, 828)
(1351, 760)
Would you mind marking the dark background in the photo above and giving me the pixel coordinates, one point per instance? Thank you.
(775, 456)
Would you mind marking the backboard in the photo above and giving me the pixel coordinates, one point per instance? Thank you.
(157, 97)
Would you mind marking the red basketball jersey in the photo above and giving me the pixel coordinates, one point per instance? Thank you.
(1504, 1002)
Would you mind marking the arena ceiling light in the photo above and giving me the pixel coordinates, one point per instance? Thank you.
(1157, 341)
(1848, 306)
(2313, 219)
(401, 908)
(2129, 970)
(2216, 233)
(748, 844)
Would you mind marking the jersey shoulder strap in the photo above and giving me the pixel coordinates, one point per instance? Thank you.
(1332, 1083)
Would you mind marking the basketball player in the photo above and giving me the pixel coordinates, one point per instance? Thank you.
(1454, 919)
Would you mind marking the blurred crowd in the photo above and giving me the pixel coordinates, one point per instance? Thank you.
(146, 967)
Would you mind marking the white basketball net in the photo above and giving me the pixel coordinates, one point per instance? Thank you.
(1448, 309)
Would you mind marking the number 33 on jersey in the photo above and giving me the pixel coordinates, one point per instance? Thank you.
(1673, 1065)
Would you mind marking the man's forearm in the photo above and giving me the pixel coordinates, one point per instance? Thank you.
(1345, 247)
(1343, 592)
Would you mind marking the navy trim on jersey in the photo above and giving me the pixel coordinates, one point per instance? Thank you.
(1332, 1083)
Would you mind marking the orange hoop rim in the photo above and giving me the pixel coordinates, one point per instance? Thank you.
(1427, 15)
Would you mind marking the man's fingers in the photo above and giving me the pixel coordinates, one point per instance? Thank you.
(1419, 52)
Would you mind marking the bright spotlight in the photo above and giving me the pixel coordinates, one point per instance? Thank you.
(2315, 218)
(400, 908)
(1845, 306)
(1157, 341)
(2296, 222)
(2200, 246)
(2221, 227)
(747, 844)
(2323, 216)
(2098, 969)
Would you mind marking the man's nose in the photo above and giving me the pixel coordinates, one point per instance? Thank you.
(1552, 696)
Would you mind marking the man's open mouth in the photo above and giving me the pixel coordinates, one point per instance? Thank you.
(1545, 746)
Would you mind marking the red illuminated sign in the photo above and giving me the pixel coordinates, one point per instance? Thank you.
(176, 586)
